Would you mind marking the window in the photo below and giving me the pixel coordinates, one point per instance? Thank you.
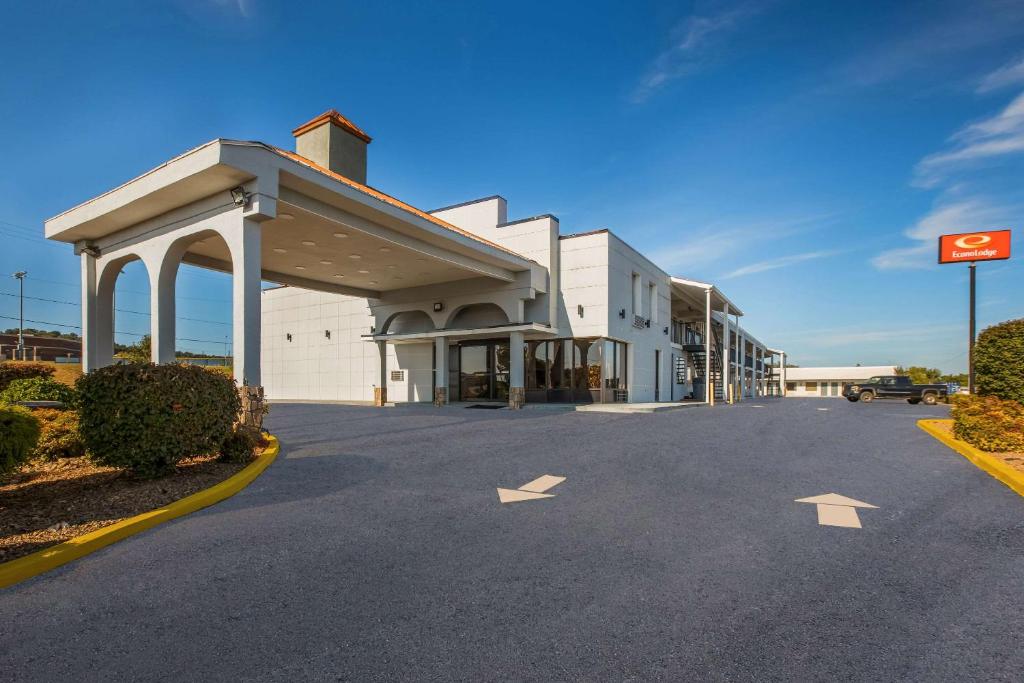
(652, 297)
(824, 389)
(790, 386)
(810, 386)
(637, 304)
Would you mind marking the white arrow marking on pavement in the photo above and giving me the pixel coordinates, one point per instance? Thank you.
(532, 490)
(837, 510)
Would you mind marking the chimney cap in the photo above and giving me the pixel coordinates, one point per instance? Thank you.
(337, 119)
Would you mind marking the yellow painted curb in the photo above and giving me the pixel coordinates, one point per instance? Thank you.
(50, 558)
(995, 467)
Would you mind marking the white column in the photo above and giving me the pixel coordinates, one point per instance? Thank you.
(440, 371)
(90, 309)
(244, 242)
(380, 394)
(708, 393)
(726, 374)
(516, 371)
(163, 273)
(741, 358)
(782, 375)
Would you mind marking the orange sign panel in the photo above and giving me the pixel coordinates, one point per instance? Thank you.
(992, 245)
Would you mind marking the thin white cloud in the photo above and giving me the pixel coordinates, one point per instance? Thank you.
(780, 262)
(976, 213)
(995, 136)
(848, 336)
(695, 41)
(919, 39)
(1004, 76)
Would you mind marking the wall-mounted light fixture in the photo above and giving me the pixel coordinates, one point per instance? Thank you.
(579, 309)
(373, 329)
(91, 250)
(622, 313)
(289, 336)
(666, 330)
(438, 306)
(239, 196)
(327, 333)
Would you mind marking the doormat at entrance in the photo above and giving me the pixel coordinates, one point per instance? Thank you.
(487, 406)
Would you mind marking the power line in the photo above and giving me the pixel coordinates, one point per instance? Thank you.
(133, 334)
(119, 310)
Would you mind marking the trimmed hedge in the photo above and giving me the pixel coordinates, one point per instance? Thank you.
(999, 361)
(38, 389)
(19, 433)
(148, 417)
(60, 437)
(989, 423)
(10, 371)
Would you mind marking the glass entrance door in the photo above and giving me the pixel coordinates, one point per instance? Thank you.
(484, 371)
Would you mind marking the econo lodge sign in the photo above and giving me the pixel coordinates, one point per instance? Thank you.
(993, 245)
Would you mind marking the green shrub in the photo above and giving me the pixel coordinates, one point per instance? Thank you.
(999, 361)
(10, 371)
(38, 389)
(989, 423)
(60, 437)
(147, 417)
(241, 445)
(19, 433)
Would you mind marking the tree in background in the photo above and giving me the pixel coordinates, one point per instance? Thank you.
(921, 375)
(139, 352)
(999, 361)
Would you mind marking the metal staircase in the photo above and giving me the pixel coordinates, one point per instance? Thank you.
(698, 355)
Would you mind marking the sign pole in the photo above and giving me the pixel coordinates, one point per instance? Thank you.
(970, 344)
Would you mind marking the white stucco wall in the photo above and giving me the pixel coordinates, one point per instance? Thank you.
(623, 262)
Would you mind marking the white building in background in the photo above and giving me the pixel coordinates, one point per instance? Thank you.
(829, 382)
(380, 301)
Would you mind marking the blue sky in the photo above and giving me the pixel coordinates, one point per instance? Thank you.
(802, 155)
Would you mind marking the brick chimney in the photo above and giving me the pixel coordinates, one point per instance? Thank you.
(334, 142)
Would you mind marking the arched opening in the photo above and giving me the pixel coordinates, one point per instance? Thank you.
(197, 273)
(408, 322)
(473, 316)
(123, 311)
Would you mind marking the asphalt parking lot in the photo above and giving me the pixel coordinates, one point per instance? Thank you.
(375, 548)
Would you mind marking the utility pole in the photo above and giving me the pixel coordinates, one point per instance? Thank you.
(20, 276)
(970, 342)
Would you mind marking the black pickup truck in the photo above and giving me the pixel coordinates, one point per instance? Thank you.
(896, 386)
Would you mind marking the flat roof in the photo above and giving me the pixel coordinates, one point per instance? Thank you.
(839, 372)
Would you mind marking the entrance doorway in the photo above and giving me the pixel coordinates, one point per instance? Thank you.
(483, 371)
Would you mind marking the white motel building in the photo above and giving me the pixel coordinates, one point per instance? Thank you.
(830, 382)
(378, 301)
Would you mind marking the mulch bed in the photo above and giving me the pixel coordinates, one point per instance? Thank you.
(1014, 460)
(46, 503)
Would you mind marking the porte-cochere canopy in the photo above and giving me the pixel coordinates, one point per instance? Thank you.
(263, 214)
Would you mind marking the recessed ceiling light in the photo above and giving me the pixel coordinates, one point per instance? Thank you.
(309, 243)
(341, 235)
(338, 275)
(397, 277)
(365, 272)
(373, 282)
(285, 216)
(326, 263)
(300, 267)
(392, 266)
(384, 250)
(279, 250)
(355, 257)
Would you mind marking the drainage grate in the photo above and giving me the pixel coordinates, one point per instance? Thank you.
(487, 406)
